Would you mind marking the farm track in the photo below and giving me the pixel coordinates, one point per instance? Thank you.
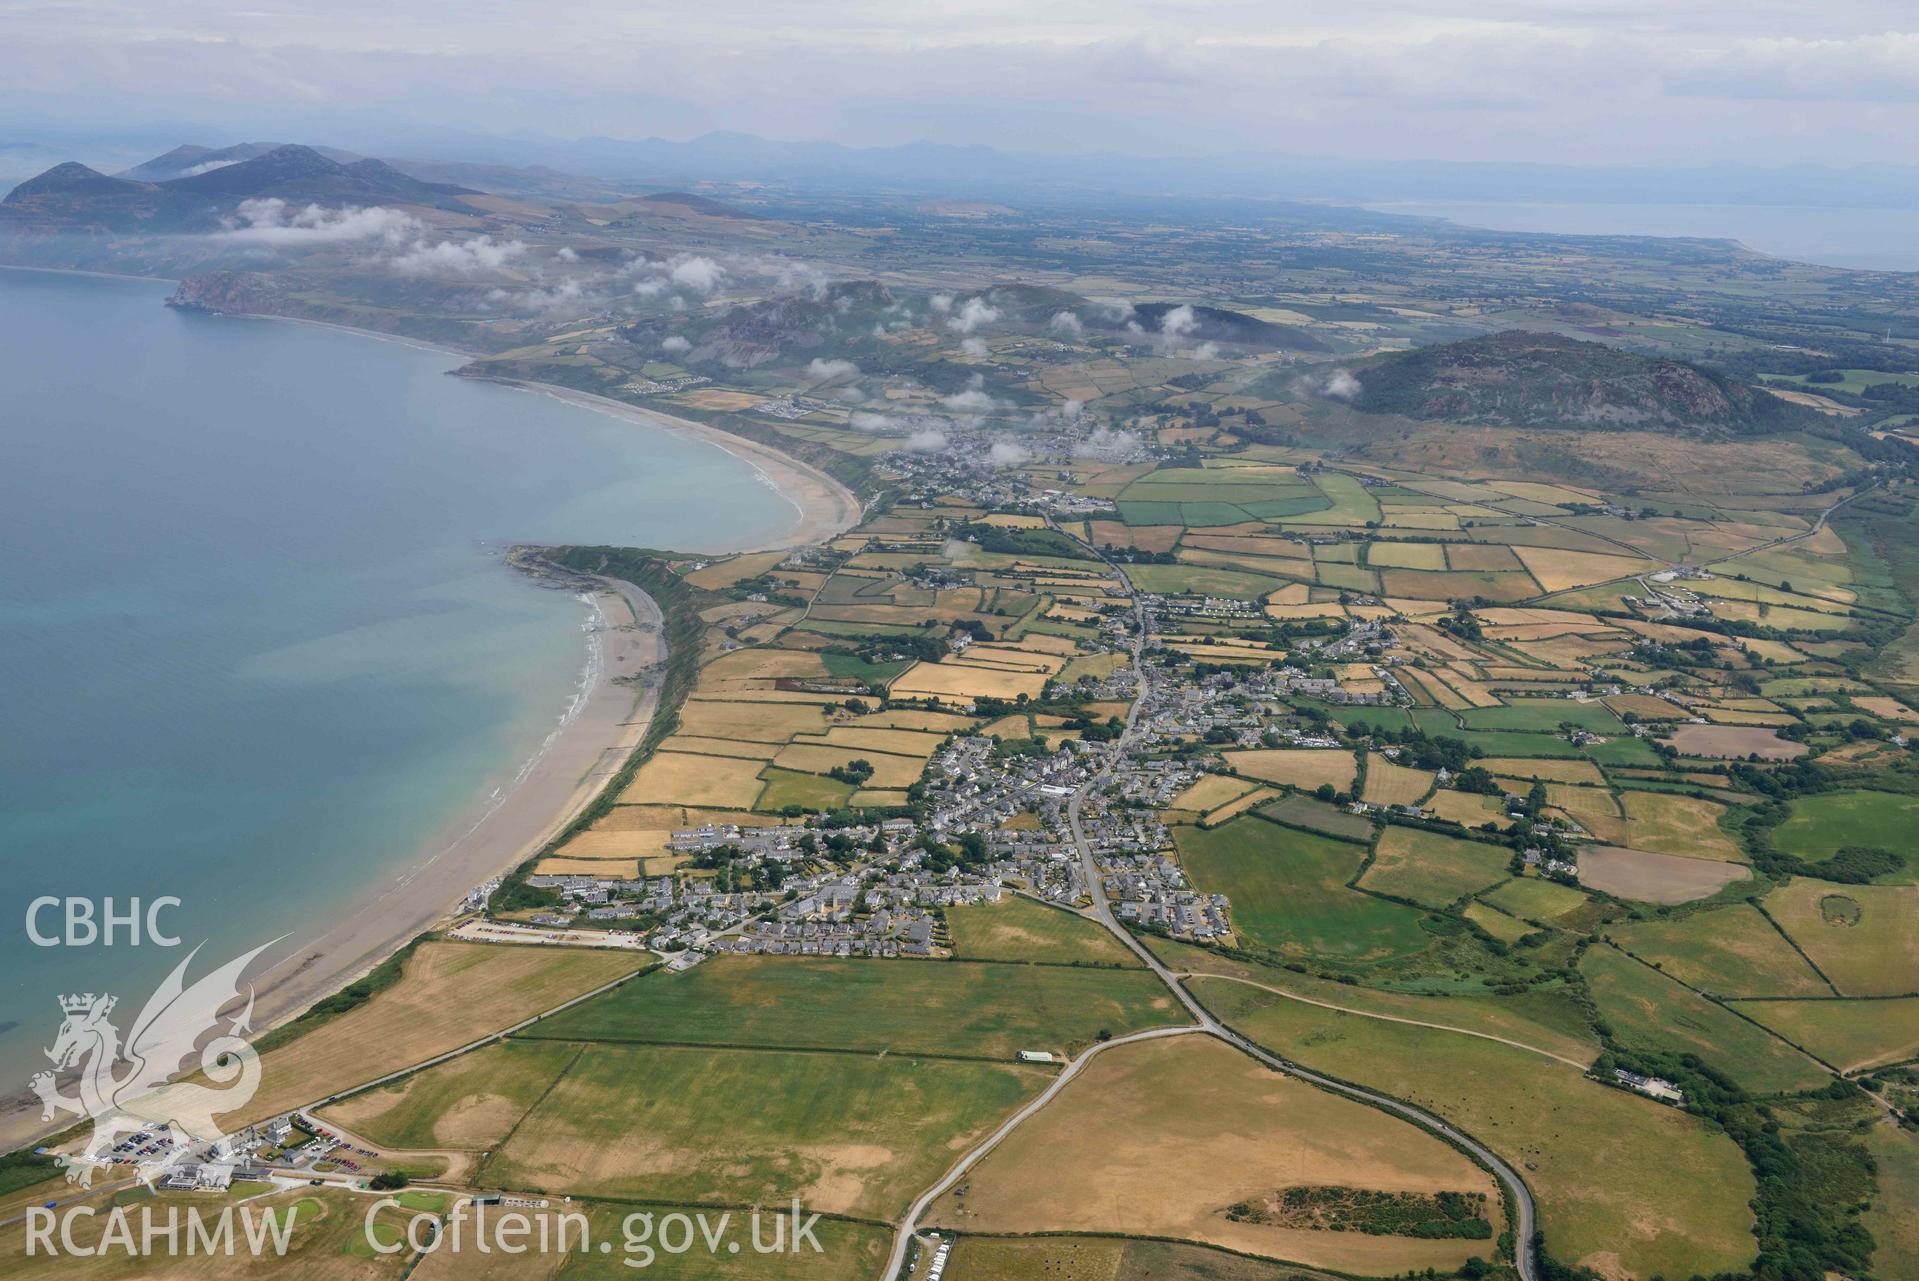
(1384, 1018)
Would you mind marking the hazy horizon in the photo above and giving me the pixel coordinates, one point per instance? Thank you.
(1580, 82)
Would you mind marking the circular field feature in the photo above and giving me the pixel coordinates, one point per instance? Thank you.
(1837, 909)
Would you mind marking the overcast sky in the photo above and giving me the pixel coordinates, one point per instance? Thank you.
(1579, 81)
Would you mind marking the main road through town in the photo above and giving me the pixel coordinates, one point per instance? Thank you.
(1526, 1213)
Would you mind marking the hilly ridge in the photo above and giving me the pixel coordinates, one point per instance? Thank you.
(1524, 378)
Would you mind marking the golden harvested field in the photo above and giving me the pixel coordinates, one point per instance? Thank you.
(761, 722)
(1210, 792)
(1429, 690)
(1406, 556)
(1559, 570)
(1865, 938)
(1234, 808)
(1469, 808)
(1672, 824)
(941, 723)
(1162, 1136)
(745, 750)
(616, 842)
(757, 664)
(450, 994)
(1480, 556)
(899, 742)
(616, 868)
(1389, 783)
(674, 778)
(1645, 706)
(725, 573)
(1305, 768)
(1654, 878)
(960, 683)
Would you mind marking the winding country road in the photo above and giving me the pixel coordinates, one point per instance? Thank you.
(1526, 1216)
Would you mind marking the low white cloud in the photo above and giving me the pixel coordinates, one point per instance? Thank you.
(458, 257)
(1005, 453)
(1179, 322)
(971, 401)
(565, 254)
(1067, 325)
(975, 347)
(1107, 443)
(675, 344)
(272, 221)
(927, 440)
(827, 370)
(561, 297)
(1340, 385)
(973, 313)
(679, 275)
(701, 275)
(941, 303)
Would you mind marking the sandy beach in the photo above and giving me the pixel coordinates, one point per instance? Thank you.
(602, 730)
(599, 731)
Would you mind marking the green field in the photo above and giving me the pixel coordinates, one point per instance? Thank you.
(1617, 1177)
(1288, 890)
(1850, 1035)
(1734, 951)
(1820, 826)
(1507, 929)
(1203, 580)
(1533, 899)
(854, 1134)
(1891, 1219)
(1081, 1258)
(1439, 722)
(1018, 929)
(1549, 1019)
(1432, 869)
(790, 787)
(1854, 380)
(1865, 938)
(932, 1007)
(848, 1252)
(1543, 715)
(1649, 1011)
(1296, 810)
(471, 1102)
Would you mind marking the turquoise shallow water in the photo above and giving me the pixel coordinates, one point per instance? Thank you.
(257, 646)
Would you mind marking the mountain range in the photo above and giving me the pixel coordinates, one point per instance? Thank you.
(206, 187)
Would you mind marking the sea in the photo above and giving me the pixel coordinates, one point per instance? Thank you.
(259, 649)
(1861, 239)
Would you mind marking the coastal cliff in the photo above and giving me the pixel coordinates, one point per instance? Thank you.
(232, 293)
(333, 301)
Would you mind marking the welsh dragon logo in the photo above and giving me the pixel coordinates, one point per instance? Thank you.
(122, 1085)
